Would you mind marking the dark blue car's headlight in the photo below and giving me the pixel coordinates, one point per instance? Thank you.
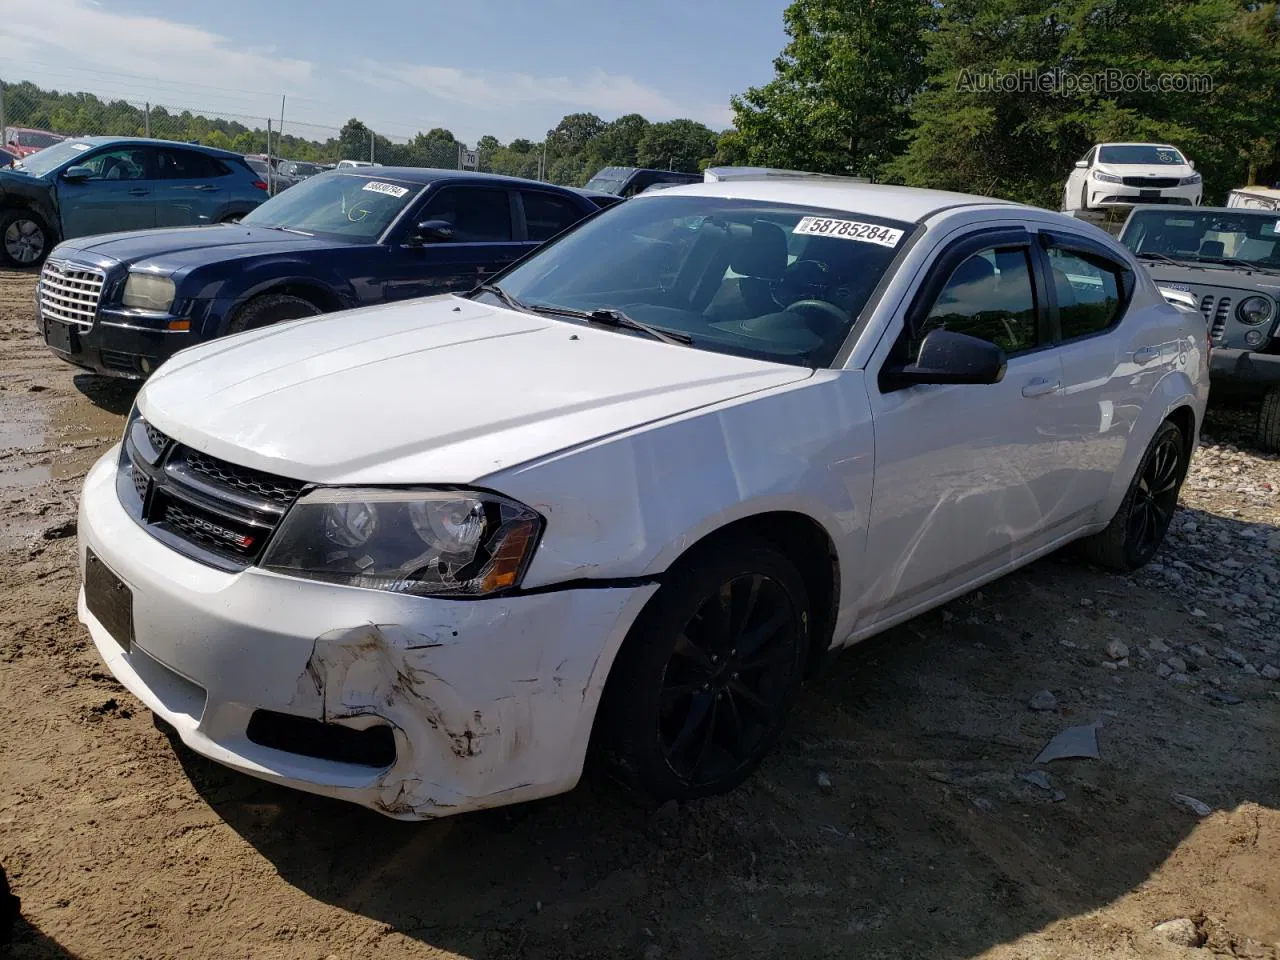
(146, 291)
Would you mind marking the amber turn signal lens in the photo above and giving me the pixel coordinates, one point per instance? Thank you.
(504, 568)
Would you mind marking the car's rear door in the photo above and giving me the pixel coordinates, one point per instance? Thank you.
(119, 193)
(967, 477)
(189, 187)
(1110, 367)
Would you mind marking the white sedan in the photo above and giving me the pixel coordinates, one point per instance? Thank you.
(420, 556)
(1124, 174)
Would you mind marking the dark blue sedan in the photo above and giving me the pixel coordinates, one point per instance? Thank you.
(121, 304)
(98, 184)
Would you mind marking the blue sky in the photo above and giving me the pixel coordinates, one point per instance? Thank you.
(505, 67)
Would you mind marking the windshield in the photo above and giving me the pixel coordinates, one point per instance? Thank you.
(51, 158)
(755, 279)
(609, 179)
(36, 138)
(1206, 237)
(1139, 153)
(337, 205)
(295, 168)
(257, 166)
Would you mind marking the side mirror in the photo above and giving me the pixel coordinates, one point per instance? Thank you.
(949, 357)
(433, 231)
(1082, 164)
(1191, 164)
(76, 174)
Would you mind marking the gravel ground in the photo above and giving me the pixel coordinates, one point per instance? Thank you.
(903, 814)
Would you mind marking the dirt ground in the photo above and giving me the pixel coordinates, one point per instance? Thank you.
(894, 821)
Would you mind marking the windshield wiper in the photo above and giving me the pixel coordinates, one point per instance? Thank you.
(506, 298)
(1230, 262)
(612, 317)
(1161, 257)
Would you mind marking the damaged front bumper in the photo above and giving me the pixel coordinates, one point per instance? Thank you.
(479, 702)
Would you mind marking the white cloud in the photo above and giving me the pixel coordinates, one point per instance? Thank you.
(81, 34)
(599, 92)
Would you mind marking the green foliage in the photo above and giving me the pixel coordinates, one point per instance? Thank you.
(1021, 144)
(839, 101)
(675, 145)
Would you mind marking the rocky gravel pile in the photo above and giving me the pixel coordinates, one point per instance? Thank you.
(1222, 559)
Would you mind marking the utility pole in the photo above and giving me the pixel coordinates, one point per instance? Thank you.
(280, 132)
(3, 126)
(271, 180)
(147, 121)
(372, 137)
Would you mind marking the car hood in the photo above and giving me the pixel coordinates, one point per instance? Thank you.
(1212, 281)
(443, 390)
(170, 249)
(1146, 169)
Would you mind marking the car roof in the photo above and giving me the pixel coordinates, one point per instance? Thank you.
(1138, 143)
(879, 200)
(153, 142)
(425, 175)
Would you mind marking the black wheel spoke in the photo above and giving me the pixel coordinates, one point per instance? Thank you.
(749, 593)
(759, 636)
(762, 707)
(715, 626)
(687, 650)
(733, 724)
(693, 722)
(674, 691)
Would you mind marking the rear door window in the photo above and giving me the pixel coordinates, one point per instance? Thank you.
(546, 215)
(188, 165)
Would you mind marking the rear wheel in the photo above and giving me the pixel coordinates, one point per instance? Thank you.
(1269, 422)
(1138, 528)
(271, 308)
(24, 238)
(703, 684)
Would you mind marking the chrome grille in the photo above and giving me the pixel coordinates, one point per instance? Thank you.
(70, 293)
(1216, 314)
(211, 510)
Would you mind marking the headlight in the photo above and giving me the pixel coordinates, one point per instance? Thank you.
(1188, 181)
(421, 542)
(1256, 310)
(1106, 177)
(148, 292)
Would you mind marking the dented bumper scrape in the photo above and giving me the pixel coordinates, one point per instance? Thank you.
(488, 701)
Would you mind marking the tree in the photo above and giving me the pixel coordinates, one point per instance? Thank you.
(441, 134)
(675, 145)
(488, 143)
(574, 133)
(843, 86)
(1003, 139)
(354, 140)
(618, 141)
(521, 146)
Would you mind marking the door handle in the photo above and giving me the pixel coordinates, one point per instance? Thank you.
(138, 192)
(1041, 387)
(1146, 355)
(207, 186)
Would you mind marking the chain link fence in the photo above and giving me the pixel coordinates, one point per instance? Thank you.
(32, 118)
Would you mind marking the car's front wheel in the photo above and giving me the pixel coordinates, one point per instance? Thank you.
(702, 686)
(1269, 422)
(269, 309)
(24, 238)
(1138, 528)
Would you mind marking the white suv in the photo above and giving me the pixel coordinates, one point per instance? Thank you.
(1124, 174)
(419, 556)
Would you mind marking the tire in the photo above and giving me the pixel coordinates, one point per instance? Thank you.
(1269, 422)
(1136, 531)
(686, 712)
(24, 239)
(1084, 196)
(271, 308)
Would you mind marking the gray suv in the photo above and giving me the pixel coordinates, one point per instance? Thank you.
(1228, 259)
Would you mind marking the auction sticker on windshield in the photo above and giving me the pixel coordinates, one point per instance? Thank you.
(390, 189)
(849, 230)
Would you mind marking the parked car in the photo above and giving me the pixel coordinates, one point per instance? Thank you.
(355, 164)
(299, 170)
(1130, 173)
(600, 199)
(7, 157)
(95, 185)
(629, 492)
(724, 174)
(628, 181)
(24, 141)
(1258, 198)
(120, 305)
(1228, 259)
(277, 181)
